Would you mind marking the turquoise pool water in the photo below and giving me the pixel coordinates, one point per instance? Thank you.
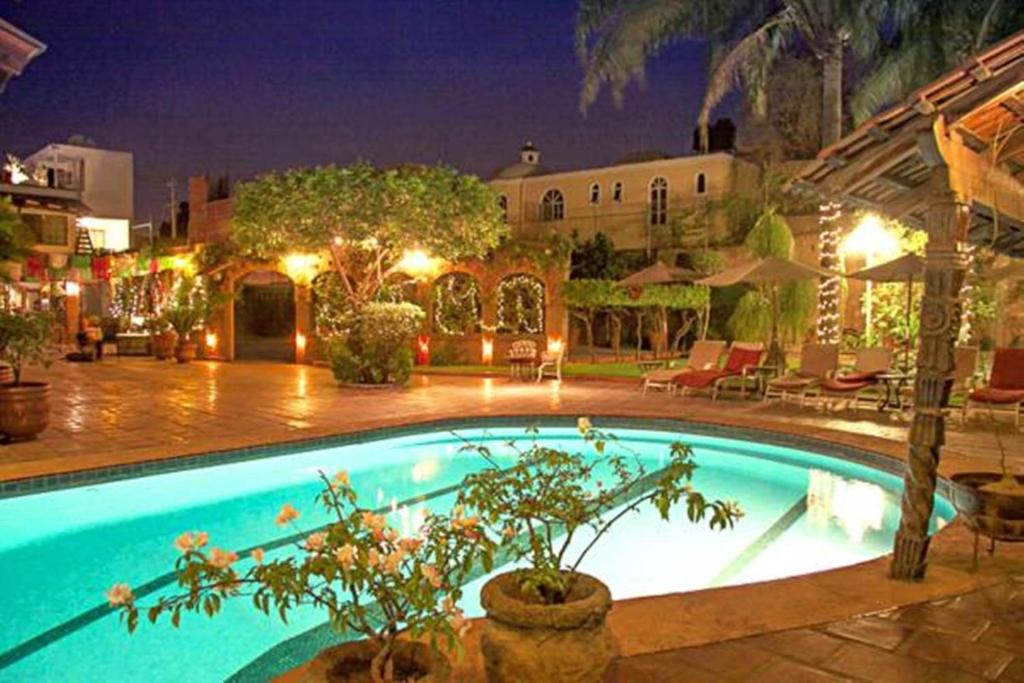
(61, 550)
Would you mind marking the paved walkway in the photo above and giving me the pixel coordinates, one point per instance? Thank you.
(132, 410)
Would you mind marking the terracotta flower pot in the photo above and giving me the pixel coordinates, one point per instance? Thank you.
(350, 663)
(163, 345)
(6, 374)
(185, 352)
(24, 409)
(530, 641)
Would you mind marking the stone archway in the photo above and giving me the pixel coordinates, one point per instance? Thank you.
(264, 317)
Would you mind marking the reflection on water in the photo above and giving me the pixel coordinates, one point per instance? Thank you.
(856, 506)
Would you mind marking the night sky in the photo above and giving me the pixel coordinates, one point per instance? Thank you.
(193, 86)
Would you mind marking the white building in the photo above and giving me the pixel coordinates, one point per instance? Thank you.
(105, 179)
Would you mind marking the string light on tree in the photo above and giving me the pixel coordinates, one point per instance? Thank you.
(966, 302)
(829, 290)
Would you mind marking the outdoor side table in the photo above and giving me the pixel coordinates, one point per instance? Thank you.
(762, 374)
(131, 344)
(892, 385)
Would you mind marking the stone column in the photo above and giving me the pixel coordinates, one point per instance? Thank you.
(946, 222)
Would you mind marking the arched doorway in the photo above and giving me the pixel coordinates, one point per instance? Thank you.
(265, 317)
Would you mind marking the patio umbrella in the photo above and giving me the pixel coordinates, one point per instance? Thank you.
(658, 274)
(904, 269)
(767, 271)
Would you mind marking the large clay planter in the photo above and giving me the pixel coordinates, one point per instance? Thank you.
(529, 641)
(24, 409)
(6, 374)
(163, 345)
(185, 352)
(997, 514)
(350, 663)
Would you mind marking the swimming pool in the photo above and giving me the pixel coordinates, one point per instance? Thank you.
(61, 549)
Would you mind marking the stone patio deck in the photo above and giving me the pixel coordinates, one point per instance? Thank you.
(134, 410)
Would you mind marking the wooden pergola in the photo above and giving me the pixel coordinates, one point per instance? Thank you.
(949, 160)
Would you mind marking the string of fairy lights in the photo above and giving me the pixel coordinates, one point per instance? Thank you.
(829, 290)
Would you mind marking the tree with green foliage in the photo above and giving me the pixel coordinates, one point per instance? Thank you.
(585, 299)
(596, 259)
(773, 312)
(12, 236)
(366, 218)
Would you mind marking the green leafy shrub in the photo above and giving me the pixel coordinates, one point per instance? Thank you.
(446, 354)
(376, 350)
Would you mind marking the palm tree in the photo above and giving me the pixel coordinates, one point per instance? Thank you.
(934, 36)
(616, 37)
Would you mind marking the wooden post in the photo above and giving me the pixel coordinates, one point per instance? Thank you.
(946, 222)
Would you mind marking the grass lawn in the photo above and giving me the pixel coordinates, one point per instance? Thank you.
(568, 370)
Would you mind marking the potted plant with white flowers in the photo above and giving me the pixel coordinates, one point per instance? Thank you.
(393, 592)
(546, 621)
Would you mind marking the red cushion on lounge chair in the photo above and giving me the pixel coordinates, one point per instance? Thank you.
(836, 385)
(741, 358)
(698, 379)
(1000, 396)
(858, 377)
(1008, 369)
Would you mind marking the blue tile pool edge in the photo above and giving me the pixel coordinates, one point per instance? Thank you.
(52, 482)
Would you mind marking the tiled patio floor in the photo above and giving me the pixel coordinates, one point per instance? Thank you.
(130, 410)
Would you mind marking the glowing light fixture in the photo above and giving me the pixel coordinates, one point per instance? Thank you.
(72, 288)
(871, 239)
(417, 263)
(300, 267)
(183, 263)
(487, 350)
(555, 345)
(211, 341)
(300, 343)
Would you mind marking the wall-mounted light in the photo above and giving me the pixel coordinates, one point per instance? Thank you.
(300, 343)
(487, 350)
(72, 288)
(423, 349)
(555, 345)
(211, 341)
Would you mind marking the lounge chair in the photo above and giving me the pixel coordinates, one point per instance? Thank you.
(742, 359)
(869, 364)
(818, 362)
(703, 356)
(1005, 390)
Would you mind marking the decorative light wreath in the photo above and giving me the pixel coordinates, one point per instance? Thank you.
(521, 305)
(456, 300)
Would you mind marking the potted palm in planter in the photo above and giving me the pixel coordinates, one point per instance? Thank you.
(189, 309)
(546, 622)
(162, 338)
(24, 406)
(390, 591)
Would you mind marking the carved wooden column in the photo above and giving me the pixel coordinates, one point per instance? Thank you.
(946, 223)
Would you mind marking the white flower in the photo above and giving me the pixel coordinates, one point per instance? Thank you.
(222, 559)
(584, 425)
(120, 594)
(315, 542)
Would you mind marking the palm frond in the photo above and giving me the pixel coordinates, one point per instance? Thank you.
(746, 63)
(615, 38)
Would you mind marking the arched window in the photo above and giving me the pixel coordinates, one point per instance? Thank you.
(552, 206)
(595, 193)
(456, 298)
(659, 201)
(702, 183)
(521, 304)
(617, 192)
(503, 205)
